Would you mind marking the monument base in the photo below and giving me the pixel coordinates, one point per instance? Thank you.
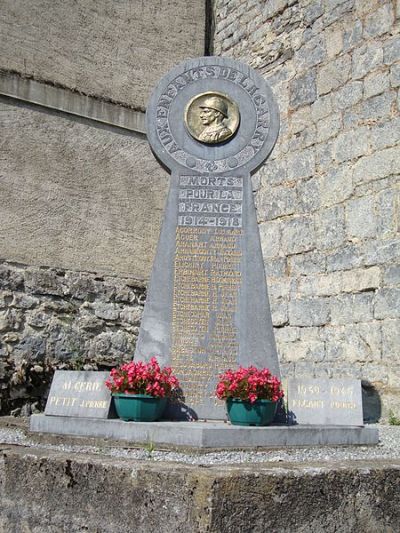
(205, 435)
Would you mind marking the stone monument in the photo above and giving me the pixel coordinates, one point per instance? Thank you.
(211, 122)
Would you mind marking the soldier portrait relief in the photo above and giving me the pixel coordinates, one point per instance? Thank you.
(212, 118)
(213, 112)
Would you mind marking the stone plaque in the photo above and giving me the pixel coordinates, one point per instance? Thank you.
(79, 394)
(211, 121)
(325, 401)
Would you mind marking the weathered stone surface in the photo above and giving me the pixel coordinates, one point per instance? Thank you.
(322, 107)
(112, 50)
(391, 276)
(352, 144)
(44, 491)
(330, 227)
(65, 324)
(307, 263)
(309, 195)
(355, 343)
(350, 94)
(276, 202)
(395, 75)
(379, 22)
(376, 83)
(366, 58)
(371, 110)
(301, 165)
(360, 218)
(377, 165)
(336, 185)
(329, 127)
(356, 280)
(387, 303)
(391, 51)
(350, 308)
(310, 312)
(303, 90)
(352, 34)
(391, 339)
(87, 197)
(386, 135)
(334, 74)
(298, 234)
(270, 235)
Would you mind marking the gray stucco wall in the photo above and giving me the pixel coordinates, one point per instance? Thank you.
(112, 49)
(77, 196)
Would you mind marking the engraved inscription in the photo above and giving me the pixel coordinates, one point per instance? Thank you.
(210, 72)
(210, 201)
(207, 283)
(80, 394)
(325, 401)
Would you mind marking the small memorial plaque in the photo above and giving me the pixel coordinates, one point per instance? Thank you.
(80, 394)
(335, 402)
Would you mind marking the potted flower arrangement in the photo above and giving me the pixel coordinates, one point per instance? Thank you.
(141, 390)
(251, 395)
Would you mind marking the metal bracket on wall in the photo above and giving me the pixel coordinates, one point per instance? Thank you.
(34, 92)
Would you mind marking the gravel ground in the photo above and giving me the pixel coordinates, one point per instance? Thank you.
(388, 448)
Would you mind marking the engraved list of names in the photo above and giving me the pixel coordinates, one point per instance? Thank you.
(207, 280)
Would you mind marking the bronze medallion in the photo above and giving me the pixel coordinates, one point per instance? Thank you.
(212, 117)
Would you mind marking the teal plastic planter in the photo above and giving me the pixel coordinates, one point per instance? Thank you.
(139, 407)
(259, 413)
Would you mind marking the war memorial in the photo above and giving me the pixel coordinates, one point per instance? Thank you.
(212, 124)
(211, 121)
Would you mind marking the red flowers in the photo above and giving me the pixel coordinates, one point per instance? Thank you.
(249, 384)
(142, 378)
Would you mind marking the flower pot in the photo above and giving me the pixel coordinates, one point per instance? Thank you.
(139, 407)
(245, 413)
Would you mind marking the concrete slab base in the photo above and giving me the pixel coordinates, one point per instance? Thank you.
(205, 434)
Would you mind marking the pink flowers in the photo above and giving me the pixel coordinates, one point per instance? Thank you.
(249, 384)
(142, 378)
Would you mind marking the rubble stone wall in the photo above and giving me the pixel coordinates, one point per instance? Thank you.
(52, 319)
(328, 199)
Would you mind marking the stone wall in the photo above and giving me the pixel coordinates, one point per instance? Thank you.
(328, 199)
(53, 318)
(84, 202)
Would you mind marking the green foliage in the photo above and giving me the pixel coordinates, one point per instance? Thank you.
(393, 419)
(149, 448)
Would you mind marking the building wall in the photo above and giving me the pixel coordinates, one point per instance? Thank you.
(328, 198)
(115, 50)
(81, 195)
(77, 196)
